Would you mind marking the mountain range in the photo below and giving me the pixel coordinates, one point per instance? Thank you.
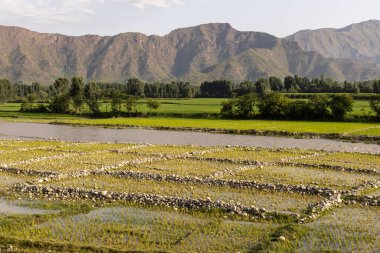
(194, 54)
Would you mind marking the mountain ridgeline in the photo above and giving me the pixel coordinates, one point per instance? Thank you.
(195, 54)
(357, 41)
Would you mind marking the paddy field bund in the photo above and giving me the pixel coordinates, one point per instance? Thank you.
(142, 197)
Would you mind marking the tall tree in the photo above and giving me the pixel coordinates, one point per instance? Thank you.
(262, 87)
(116, 101)
(6, 90)
(92, 94)
(289, 83)
(276, 83)
(77, 93)
(61, 86)
(375, 105)
(135, 87)
(273, 105)
(131, 104)
(340, 105)
(216, 89)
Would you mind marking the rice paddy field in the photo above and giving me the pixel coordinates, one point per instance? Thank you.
(60, 196)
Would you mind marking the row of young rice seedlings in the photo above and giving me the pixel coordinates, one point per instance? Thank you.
(6, 145)
(374, 192)
(258, 154)
(36, 155)
(13, 159)
(86, 158)
(81, 162)
(171, 149)
(339, 180)
(181, 167)
(347, 229)
(135, 228)
(12, 145)
(271, 200)
(349, 160)
(90, 161)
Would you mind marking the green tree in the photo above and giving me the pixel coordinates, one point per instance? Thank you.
(153, 104)
(273, 105)
(77, 93)
(376, 86)
(242, 106)
(244, 88)
(135, 87)
(60, 104)
(131, 104)
(116, 101)
(262, 87)
(320, 106)
(216, 89)
(28, 104)
(6, 90)
(375, 105)
(276, 83)
(246, 105)
(340, 105)
(299, 109)
(228, 108)
(61, 86)
(92, 94)
(289, 83)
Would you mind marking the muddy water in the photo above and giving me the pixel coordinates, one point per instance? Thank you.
(16, 130)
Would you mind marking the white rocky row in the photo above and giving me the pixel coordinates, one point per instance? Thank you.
(363, 187)
(314, 210)
(239, 184)
(374, 172)
(153, 200)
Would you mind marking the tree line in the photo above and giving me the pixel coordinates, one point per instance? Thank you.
(133, 87)
(207, 89)
(278, 106)
(290, 84)
(70, 96)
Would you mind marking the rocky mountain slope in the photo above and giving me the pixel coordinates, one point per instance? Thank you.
(194, 54)
(357, 41)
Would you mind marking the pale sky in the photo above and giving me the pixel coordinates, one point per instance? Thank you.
(110, 17)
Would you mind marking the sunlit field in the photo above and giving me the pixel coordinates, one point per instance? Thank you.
(70, 196)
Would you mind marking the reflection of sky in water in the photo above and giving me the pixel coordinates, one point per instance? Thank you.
(16, 130)
(125, 215)
(7, 208)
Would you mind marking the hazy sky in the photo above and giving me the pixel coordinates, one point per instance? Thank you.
(109, 17)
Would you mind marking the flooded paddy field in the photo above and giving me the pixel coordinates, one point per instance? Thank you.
(83, 197)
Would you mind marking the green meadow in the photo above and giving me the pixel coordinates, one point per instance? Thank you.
(201, 113)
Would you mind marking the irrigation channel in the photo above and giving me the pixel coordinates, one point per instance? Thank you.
(18, 130)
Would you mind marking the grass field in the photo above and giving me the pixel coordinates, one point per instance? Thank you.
(349, 128)
(190, 107)
(114, 197)
(186, 107)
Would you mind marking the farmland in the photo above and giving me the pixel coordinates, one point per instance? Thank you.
(201, 114)
(73, 196)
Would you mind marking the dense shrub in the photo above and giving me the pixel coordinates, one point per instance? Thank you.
(273, 105)
(340, 105)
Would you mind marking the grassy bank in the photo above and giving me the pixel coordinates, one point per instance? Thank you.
(349, 128)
